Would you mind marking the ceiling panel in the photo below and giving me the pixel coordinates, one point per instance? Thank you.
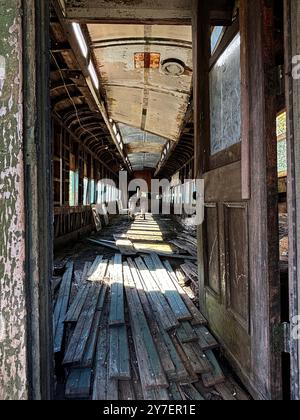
(146, 74)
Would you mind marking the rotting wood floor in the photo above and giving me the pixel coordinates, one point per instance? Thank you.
(126, 321)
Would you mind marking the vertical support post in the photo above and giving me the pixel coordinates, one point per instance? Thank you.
(38, 195)
(292, 49)
(201, 56)
(263, 206)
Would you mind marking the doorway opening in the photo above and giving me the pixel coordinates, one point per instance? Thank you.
(123, 104)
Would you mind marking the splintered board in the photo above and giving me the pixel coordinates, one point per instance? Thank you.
(116, 314)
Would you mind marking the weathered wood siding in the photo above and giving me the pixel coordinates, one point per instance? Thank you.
(12, 246)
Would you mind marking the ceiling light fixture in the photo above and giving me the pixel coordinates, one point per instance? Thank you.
(173, 67)
(93, 75)
(80, 39)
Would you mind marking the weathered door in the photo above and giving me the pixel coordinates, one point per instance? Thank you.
(236, 155)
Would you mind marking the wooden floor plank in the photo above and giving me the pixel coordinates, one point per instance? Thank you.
(117, 315)
(78, 342)
(94, 266)
(77, 305)
(216, 376)
(186, 334)
(61, 307)
(190, 393)
(167, 287)
(119, 360)
(99, 272)
(197, 358)
(198, 318)
(206, 339)
(148, 358)
(174, 392)
(135, 283)
(126, 391)
(104, 389)
(78, 385)
(89, 353)
(157, 300)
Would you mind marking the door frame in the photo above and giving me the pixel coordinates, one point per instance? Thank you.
(38, 198)
(292, 48)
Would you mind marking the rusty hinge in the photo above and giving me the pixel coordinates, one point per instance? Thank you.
(282, 338)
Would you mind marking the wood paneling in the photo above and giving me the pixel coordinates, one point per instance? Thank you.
(237, 261)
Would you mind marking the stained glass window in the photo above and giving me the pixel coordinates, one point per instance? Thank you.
(281, 124)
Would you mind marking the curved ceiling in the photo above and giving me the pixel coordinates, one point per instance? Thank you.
(146, 76)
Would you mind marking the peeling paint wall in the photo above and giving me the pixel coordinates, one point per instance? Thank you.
(13, 383)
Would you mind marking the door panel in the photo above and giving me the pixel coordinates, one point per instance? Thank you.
(237, 261)
(227, 262)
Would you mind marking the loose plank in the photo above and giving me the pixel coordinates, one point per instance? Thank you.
(77, 345)
(77, 305)
(190, 393)
(198, 318)
(89, 352)
(119, 360)
(104, 389)
(216, 376)
(78, 385)
(151, 369)
(98, 274)
(206, 340)
(116, 315)
(133, 281)
(185, 333)
(157, 300)
(162, 278)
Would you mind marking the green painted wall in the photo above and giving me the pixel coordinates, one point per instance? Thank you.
(13, 383)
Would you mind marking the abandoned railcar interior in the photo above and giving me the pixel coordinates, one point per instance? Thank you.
(149, 157)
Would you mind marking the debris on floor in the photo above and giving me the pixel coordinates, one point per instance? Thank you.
(126, 328)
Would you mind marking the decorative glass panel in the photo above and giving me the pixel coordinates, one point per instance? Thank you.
(225, 99)
(282, 145)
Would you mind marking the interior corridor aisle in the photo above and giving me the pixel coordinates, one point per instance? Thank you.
(126, 322)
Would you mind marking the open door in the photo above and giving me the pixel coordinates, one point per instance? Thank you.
(235, 144)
